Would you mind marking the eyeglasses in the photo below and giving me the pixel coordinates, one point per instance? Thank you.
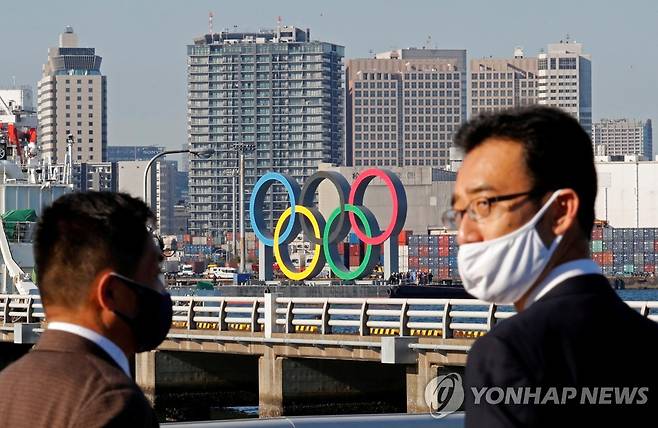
(479, 208)
(166, 252)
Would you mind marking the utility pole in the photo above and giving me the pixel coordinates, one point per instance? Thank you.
(233, 173)
(242, 148)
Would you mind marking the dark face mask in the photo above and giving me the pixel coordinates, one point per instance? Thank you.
(154, 313)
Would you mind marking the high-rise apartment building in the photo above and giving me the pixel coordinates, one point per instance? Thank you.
(278, 91)
(497, 84)
(565, 80)
(620, 137)
(403, 107)
(72, 97)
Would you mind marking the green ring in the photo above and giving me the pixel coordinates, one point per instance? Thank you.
(340, 273)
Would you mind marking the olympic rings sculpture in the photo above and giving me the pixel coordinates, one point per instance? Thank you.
(323, 234)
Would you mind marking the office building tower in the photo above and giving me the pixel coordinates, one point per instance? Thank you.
(99, 176)
(565, 80)
(72, 97)
(277, 92)
(132, 153)
(164, 194)
(621, 137)
(404, 106)
(500, 83)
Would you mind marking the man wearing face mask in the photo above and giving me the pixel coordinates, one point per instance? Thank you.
(523, 207)
(98, 266)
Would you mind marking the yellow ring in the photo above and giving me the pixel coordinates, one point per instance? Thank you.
(297, 276)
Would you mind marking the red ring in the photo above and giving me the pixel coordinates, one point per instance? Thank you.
(374, 172)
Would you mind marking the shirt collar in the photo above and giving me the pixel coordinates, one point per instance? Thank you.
(560, 274)
(103, 342)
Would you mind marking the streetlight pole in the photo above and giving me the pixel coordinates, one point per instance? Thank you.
(234, 239)
(242, 148)
(204, 154)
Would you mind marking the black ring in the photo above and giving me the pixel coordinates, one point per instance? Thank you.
(306, 199)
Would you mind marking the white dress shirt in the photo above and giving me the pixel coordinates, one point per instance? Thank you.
(103, 342)
(560, 274)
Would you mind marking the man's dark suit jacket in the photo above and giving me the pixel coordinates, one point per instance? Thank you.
(580, 334)
(68, 381)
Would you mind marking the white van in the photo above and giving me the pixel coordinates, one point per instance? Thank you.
(221, 272)
(186, 271)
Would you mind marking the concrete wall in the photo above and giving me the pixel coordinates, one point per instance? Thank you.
(628, 193)
(131, 177)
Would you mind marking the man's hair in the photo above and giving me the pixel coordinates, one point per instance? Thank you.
(558, 151)
(81, 234)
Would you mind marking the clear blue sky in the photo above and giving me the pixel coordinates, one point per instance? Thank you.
(143, 44)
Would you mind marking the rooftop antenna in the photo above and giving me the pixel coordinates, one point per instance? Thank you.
(568, 37)
(371, 52)
(210, 16)
(428, 42)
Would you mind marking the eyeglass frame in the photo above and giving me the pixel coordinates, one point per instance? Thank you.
(160, 242)
(533, 193)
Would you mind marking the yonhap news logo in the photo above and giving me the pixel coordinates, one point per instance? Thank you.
(444, 395)
(560, 396)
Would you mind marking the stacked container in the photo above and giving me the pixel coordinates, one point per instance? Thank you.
(432, 253)
(624, 251)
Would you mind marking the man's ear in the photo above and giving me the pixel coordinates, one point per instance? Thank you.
(105, 294)
(566, 211)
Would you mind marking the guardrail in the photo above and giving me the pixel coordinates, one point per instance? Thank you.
(269, 314)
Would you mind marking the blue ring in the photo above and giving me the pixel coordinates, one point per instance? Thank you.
(257, 198)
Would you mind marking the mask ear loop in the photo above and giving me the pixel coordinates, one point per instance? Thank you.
(558, 238)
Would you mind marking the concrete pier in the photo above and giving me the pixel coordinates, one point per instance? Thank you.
(187, 385)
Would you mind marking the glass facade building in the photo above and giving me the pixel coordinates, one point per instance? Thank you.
(132, 153)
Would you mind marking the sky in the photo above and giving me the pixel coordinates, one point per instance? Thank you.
(143, 44)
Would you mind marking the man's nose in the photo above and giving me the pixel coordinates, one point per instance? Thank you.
(468, 231)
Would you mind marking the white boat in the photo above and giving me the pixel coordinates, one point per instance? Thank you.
(25, 184)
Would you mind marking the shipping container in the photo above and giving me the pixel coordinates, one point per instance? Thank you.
(597, 246)
(403, 237)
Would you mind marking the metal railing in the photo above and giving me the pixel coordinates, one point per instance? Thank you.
(23, 231)
(446, 318)
(345, 421)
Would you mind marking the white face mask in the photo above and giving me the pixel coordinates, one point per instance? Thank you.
(503, 269)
